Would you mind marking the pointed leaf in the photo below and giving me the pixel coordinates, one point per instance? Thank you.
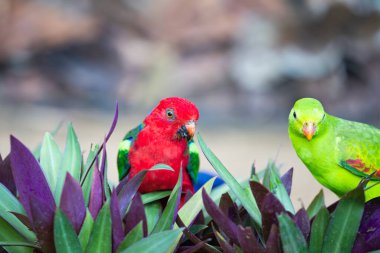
(50, 160)
(135, 215)
(170, 212)
(153, 196)
(153, 211)
(85, 232)
(37, 151)
(273, 242)
(302, 221)
(96, 195)
(8, 205)
(72, 202)
(117, 227)
(227, 248)
(287, 180)
(9, 235)
(247, 241)
(245, 197)
(88, 182)
(72, 156)
(155, 243)
(317, 203)
(29, 178)
(133, 236)
(344, 223)
(101, 235)
(291, 237)
(259, 191)
(271, 207)
(66, 240)
(318, 229)
(6, 177)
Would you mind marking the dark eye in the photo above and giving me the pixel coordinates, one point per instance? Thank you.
(170, 114)
(294, 114)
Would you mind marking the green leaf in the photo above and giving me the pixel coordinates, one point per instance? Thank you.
(88, 181)
(9, 235)
(161, 166)
(166, 220)
(291, 237)
(153, 196)
(65, 238)
(155, 243)
(71, 161)
(37, 150)
(245, 197)
(85, 232)
(318, 229)
(153, 211)
(8, 204)
(315, 205)
(50, 160)
(133, 236)
(344, 223)
(100, 239)
(277, 187)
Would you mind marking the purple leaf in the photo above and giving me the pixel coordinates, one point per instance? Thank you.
(227, 226)
(287, 180)
(259, 191)
(29, 179)
(302, 220)
(226, 247)
(24, 219)
(225, 203)
(136, 213)
(129, 190)
(270, 208)
(247, 240)
(43, 219)
(194, 248)
(96, 195)
(273, 242)
(6, 177)
(72, 202)
(117, 223)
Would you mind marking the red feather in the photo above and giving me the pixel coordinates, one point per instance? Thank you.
(158, 142)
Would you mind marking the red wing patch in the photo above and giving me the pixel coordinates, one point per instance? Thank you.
(362, 167)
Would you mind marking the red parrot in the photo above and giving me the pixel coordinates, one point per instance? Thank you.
(164, 137)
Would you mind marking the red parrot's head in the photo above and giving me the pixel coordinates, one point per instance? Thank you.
(174, 117)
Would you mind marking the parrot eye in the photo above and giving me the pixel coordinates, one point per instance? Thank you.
(294, 114)
(170, 114)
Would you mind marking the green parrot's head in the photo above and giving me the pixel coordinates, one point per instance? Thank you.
(307, 118)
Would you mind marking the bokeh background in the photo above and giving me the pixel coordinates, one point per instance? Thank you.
(243, 62)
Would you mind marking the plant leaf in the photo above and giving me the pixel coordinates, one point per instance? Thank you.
(273, 242)
(316, 204)
(155, 243)
(302, 221)
(287, 180)
(117, 227)
(169, 214)
(344, 223)
(86, 186)
(72, 202)
(65, 238)
(37, 151)
(101, 236)
(9, 235)
(153, 196)
(6, 177)
(245, 197)
(85, 232)
(8, 205)
(259, 191)
(227, 248)
(153, 211)
(271, 207)
(133, 236)
(50, 160)
(29, 178)
(291, 237)
(96, 195)
(318, 229)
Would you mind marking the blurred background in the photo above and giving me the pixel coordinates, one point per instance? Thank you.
(243, 62)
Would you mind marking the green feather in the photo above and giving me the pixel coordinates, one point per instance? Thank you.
(193, 163)
(340, 153)
(123, 164)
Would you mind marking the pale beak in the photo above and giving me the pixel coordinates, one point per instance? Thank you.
(190, 127)
(187, 131)
(308, 130)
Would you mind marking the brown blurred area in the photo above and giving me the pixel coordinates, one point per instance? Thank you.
(243, 62)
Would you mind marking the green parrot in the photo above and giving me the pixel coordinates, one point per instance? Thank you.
(339, 153)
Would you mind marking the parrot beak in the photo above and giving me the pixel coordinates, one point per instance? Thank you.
(309, 130)
(187, 131)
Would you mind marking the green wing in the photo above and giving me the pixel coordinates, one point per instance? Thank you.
(359, 149)
(123, 165)
(193, 163)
